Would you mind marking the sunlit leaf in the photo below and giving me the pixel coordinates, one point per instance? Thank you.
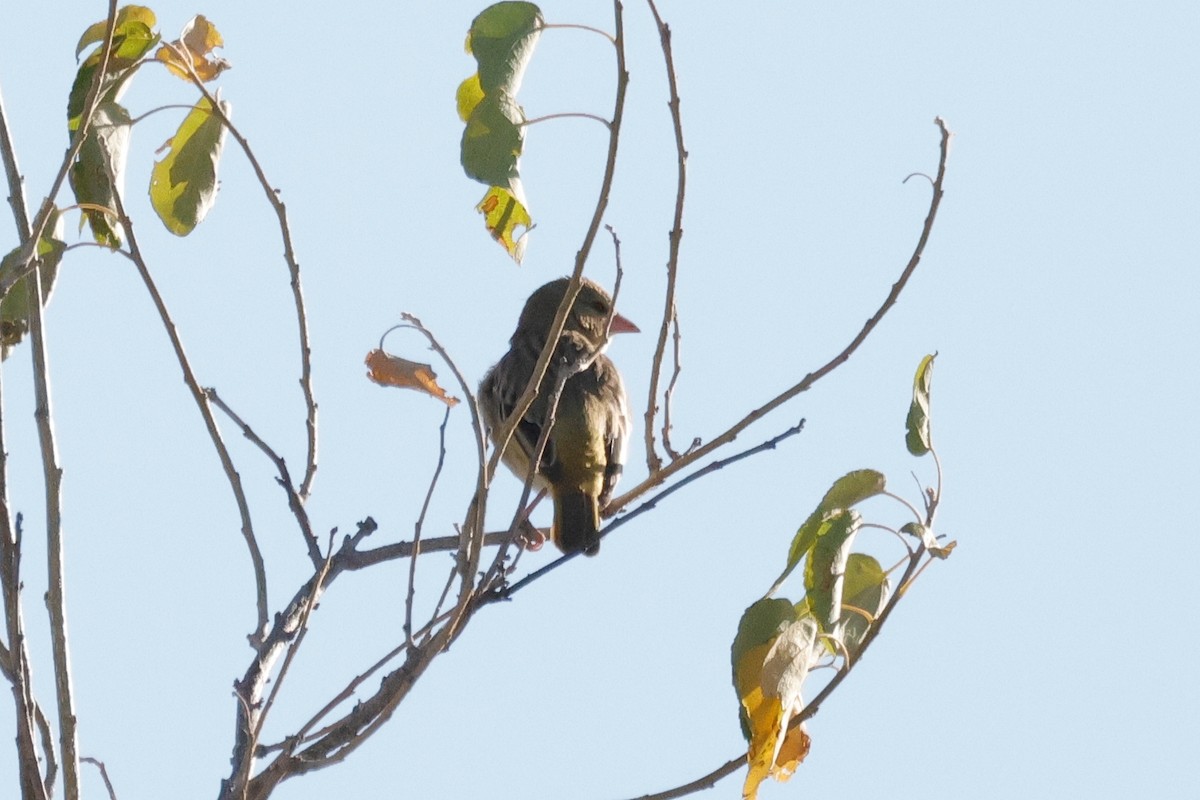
(183, 185)
(504, 212)
(492, 141)
(125, 16)
(14, 309)
(917, 438)
(194, 49)
(848, 490)
(389, 370)
(103, 154)
(825, 570)
(864, 594)
(773, 653)
(468, 96)
(133, 37)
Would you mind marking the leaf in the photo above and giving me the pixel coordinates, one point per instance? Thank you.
(133, 37)
(502, 39)
(98, 173)
(14, 308)
(493, 140)
(825, 570)
(183, 185)
(848, 490)
(125, 16)
(503, 213)
(196, 43)
(929, 540)
(773, 653)
(864, 594)
(389, 370)
(918, 438)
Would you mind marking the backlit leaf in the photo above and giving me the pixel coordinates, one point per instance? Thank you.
(502, 38)
(503, 213)
(917, 436)
(864, 594)
(125, 16)
(183, 185)
(825, 570)
(930, 541)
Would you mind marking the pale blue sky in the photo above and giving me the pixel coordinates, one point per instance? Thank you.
(1053, 655)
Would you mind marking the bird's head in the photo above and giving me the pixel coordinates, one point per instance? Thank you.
(587, 316)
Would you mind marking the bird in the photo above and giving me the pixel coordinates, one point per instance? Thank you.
(585, 451)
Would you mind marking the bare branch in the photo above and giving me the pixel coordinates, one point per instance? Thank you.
(210, 423)
(653, 463)
(419, 524)
(289, 255)
(656, 478)
(295, 501)
(112, 794)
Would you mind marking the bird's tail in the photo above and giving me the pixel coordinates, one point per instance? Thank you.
(576, 521)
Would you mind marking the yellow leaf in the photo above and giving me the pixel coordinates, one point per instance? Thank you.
(769, 678)
(389, 370)
(196, 43)
(468, 96)
(503, 213)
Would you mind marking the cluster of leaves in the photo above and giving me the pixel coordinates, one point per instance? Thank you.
(183, 184)
(780, 642)
(501, 38)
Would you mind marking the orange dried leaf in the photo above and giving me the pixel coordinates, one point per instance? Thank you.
(389, 370)
(197, 41)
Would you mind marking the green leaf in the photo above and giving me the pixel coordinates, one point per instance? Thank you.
(132, 40)
(502, 38)
(825, 569)
(917, 438)
(183, 185)
(103, 154)
(864, 594)
(930, 541)
(848, 490)
(493, 140)
(14, 308)
(125, 16)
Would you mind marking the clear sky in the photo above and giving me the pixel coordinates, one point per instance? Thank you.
(1053, 655)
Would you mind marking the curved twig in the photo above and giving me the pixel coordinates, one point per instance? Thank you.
(806, 383)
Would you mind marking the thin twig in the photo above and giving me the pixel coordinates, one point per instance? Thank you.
(289, 255)
(210, 423)
(669, 394)
(653, 463)
(656, 478)
(566, 115)
(295, 501)
(769, 444)
(112, 794)
(410, 597)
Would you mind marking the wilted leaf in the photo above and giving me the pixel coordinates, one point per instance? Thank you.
(389, 370)
(503, 213)
(14, 309)
(196, 43)
(929, 540)
(773, 653)
(103, 154)
(864, 594)
(825, 570)
(848, 490)
(917, 437)
(183, 185)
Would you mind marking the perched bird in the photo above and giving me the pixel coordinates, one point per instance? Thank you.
(586, 448)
